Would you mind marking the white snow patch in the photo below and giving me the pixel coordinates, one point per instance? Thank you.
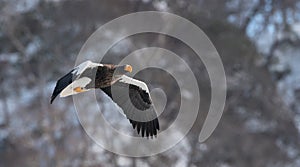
(203, 147)
(291, 151)
(161, 5)
(12, 58)
(33, 47)
(256, 125)
(124, 161)
(296, 28)
(26, 5)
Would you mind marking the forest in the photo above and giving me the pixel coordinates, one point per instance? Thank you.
(259, 45)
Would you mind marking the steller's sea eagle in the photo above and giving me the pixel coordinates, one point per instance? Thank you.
(132, 95)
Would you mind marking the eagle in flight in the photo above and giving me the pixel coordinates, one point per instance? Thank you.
(131, 95)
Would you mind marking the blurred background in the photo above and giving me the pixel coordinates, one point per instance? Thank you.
(258, 41)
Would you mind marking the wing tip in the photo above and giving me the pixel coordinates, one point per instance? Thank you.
(52, 99)
(146, 129)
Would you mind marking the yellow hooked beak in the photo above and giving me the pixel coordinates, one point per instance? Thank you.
(78, 89)
(128, 68)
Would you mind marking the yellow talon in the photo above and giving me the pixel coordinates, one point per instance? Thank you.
(78, 89)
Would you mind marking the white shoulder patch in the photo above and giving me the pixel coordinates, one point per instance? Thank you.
(83, 66)
(128, 80)
(69, 90)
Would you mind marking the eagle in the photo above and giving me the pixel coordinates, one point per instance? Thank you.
(130, 94)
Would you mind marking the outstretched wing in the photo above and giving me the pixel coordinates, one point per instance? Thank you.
(63, 86)
(134, 99)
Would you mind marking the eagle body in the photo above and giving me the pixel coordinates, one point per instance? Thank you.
(101, 76)
(131, 95)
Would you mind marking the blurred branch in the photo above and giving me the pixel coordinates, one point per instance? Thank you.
(249, 18)
(133, 162)
(6, 118)
(13, 39)
(286, 41)
(137, 6)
